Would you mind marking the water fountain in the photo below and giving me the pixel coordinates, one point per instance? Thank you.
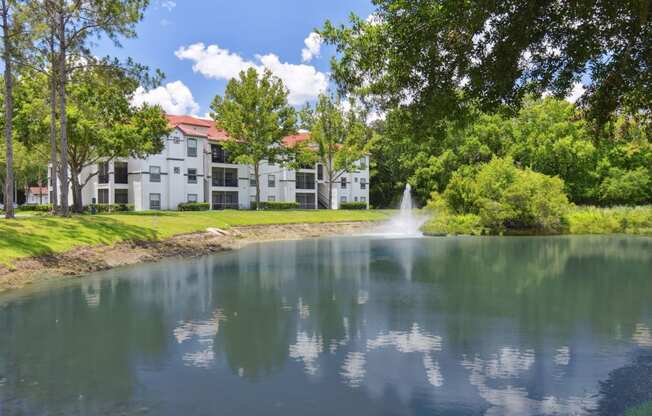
(406, 223)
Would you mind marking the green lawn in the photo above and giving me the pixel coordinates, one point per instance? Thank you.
(40, 235)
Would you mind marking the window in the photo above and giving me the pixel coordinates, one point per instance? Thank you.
(271, 181)
(305, 180)
(192, 147)
(103, 172)
(155, 201)
(320, 172)
(343, 182)
(177, 170)
(121, 196)
(218, 154)
(363, 183)
(252, 180)
(343, 199)
(120, 173)
(355, 179)
(192, 197)
(102, 196)
(306, 201)
(155, 174)
(225, 177)
(363, 199)
(225, 200)
(176, 139)
(363, 164)
(355, 199)
(271, 198)
(192, 175)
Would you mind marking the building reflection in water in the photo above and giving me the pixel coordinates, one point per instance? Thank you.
(495, 327)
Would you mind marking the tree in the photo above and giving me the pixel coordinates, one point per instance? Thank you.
(255, 113)
(437, 57)
(339, 136)
(11, 31)
(70, 25)
(102, 123)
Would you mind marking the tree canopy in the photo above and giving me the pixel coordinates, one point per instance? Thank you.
(255, 113)
(436, 57)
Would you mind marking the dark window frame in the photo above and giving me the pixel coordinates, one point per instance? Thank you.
(304, 180)
(271, 181)
(191, 151)
(306, 200)
(192, 177)
(218, 154)
(225, 177)
(121, 173)
(156, 207)
(225, 200)
(103, 196)
(103, 173)
(123, 192)
(155, 177)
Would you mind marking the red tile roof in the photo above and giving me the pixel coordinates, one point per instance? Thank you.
(296, 138)
(201, 127)
(194, 126)
(35, 190)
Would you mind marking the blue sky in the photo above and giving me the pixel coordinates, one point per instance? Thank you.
(200, 44)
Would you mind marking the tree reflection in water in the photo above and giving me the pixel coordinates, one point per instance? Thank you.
(495, 326)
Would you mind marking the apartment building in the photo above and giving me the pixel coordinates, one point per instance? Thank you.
(194, 167)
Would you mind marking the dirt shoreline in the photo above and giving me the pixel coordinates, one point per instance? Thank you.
(84, 260)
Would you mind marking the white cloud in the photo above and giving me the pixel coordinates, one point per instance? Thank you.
(213, 61)
(175, 98)
(304, 82)
(313, 47)
(168, 4)
(576, 92)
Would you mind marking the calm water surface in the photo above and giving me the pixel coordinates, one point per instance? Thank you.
(360, 326)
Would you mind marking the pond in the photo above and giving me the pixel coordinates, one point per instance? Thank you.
(360, 326)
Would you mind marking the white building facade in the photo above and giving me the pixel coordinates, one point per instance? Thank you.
(193, 167)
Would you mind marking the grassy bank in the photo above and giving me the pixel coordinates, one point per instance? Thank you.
(580, 220)
(41, 235)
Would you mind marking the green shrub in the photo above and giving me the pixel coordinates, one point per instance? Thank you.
(275, 206)
(504, 197)
(193, 206)
(353, 205)
(594, 220)
(104, 208)
(629, 187)
(454, 224)
(35, 207)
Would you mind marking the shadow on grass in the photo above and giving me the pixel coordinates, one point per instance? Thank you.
(35, 237)
(146, 213)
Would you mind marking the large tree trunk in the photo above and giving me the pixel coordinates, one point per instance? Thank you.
(330, 192)
(53, 127)
(257, 174)
(9, 110)
(62, 107)
(78, 205)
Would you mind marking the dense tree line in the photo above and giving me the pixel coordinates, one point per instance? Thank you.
(609, 166)
(460, 83)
